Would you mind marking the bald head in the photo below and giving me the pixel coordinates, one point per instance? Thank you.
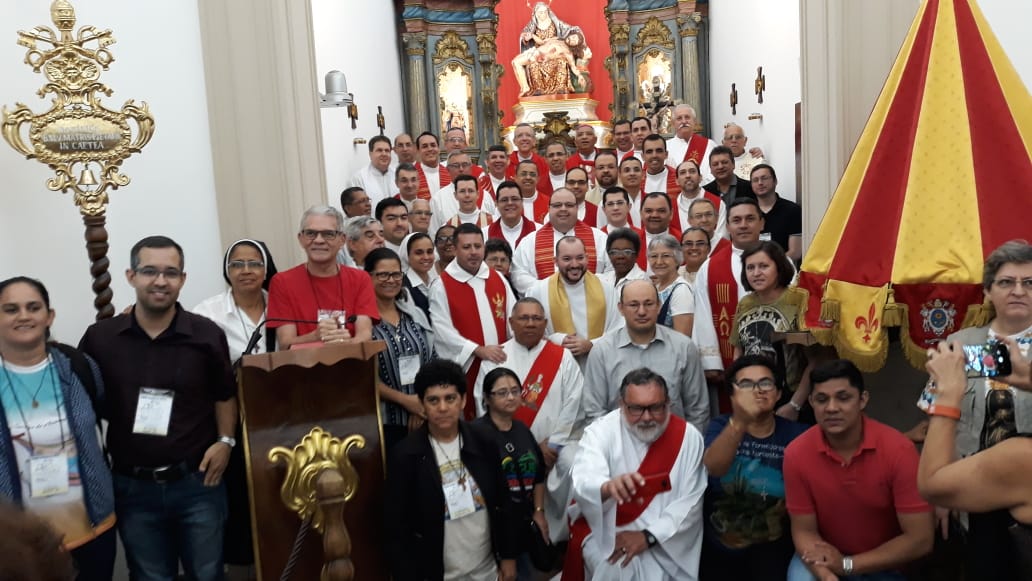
(735, 138)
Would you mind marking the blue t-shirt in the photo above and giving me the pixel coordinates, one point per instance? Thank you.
(746, 506)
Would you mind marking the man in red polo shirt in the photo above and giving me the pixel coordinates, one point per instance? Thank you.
(851, 487)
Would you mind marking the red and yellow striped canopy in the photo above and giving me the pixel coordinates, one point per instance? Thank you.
(941, 175)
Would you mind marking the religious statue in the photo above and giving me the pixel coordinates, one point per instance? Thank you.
(553, 57)
(657, 105)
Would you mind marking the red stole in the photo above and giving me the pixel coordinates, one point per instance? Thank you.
(660, 459)
(544, 249)
(467, 321)
(722, 244)
(591, 213)
(495, 230)
(723, 295)
(484, 187)
(696, 150)
(540, 209)
(538, 381)
(424, 189)
(544, 184)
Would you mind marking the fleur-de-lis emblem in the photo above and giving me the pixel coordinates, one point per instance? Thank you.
(868, 324)
(499, 306)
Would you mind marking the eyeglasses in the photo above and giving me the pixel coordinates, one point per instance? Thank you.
(507, 393)
(696, 244)
(149, 272)
(530, 319)
(327, 235)
(386, 276)
(456, 139)
(558, 205)
(426, 213)
(1009, 283)
(763, 386)
(637, 411)
(617, 253)
(242, 264)
(664, 256)
(445, 240)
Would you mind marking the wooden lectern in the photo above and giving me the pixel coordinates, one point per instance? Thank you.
(318, 408)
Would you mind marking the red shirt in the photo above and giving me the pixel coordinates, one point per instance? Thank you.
(855, 503)
(295, 294)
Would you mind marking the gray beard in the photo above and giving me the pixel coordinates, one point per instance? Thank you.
(647, 432)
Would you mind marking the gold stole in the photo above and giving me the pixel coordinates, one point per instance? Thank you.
(559, 305)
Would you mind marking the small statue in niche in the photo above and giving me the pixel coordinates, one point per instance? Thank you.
(658, 105)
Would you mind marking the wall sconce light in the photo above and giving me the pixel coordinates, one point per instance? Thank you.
(337, 95)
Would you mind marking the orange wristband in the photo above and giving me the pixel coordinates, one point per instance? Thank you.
(944, 411)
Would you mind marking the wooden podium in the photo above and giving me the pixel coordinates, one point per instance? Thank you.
(285, 397)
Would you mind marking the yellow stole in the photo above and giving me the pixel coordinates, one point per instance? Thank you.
(559, 305)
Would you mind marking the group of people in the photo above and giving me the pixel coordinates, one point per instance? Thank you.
(581, 373)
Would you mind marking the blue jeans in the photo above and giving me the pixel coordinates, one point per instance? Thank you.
(797, 571)
(163, 524)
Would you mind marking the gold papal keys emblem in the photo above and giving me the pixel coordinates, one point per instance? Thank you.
(83, 142)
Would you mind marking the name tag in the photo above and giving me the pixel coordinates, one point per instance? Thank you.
(459, 498)
(48, 475)
(153, 411)
(765, 236)
(408, 367)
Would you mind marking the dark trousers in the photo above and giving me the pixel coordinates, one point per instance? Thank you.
(95, 561)
(759, 562)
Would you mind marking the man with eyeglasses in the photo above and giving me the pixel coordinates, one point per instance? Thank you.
(851, 488)
(511, 225)
(355, 202)
(444, 203)
(577, 182)
(725, 183)
(339, 297)
(578, 306)
(605, 175)
(641, 342)
(431, 178)
(688, 180)
(638, 483)
(782, 219)
(455, 140)
(375, 178)
(735, 139)
(172, 412)
(744, 454)
(686, 144)
(993, 411)
(449, 509)
(469, 308)
(393, 216)
(534, 258)
(702, 214)
(623, 246)
(419, 216)
(525, 140)
(406, 177)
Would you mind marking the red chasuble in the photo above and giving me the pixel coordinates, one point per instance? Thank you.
(538, 381)
(467, 321)
(485, 187)
(659, 460)
(544, 183)
(423, 193)
(576, 160)
(723, 295)
(696, 150)
(495, 230)
(544, 249)
(673, 190)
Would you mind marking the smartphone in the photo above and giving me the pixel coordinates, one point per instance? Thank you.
(989, 360)
(655, 484)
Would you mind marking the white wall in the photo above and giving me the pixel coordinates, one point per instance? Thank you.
(358, 39)
(746, 34)
(172, 190)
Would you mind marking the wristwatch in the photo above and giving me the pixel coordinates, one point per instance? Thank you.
(231, 442)
(847, 565)
(650, 540)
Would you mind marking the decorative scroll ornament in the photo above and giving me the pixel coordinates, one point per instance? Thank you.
(688, 24)
(318, 451)
(486, 44)
(77, 133)
(653, 33)
(452, 45)
(619, 34)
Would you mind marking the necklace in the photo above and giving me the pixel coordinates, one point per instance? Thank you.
(462, 467)
(42, 382)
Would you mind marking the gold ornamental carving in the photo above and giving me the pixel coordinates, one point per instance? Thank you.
(619, 34)
(415, 44)
(653, 33)
(486, 44)
(83, 142)
(451, 45)
(318, 451)
(688, 24)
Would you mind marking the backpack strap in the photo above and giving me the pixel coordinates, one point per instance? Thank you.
(82, 369)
